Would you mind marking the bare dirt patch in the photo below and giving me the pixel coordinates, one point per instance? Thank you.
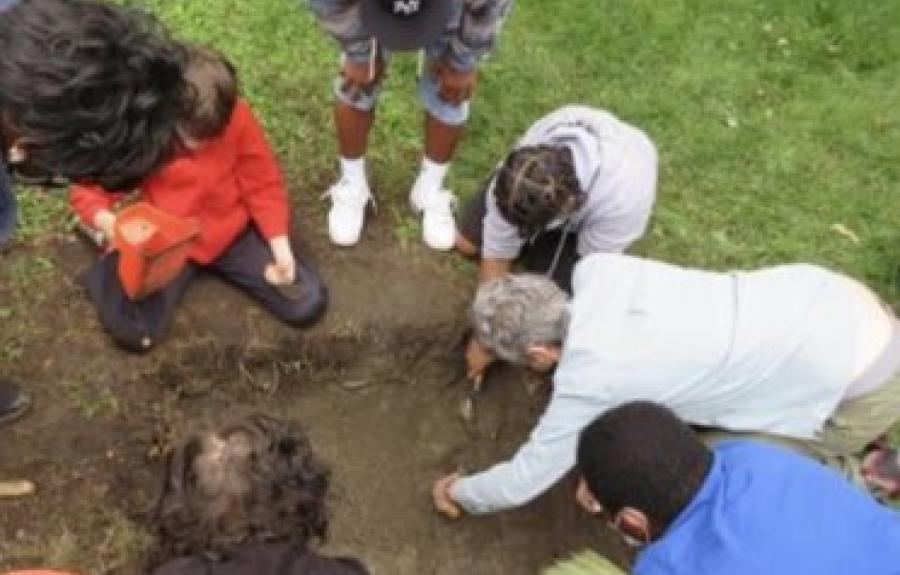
(378, 386)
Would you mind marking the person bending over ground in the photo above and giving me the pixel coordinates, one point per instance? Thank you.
(98, 103)
(225, 175)
(579, 181)
(796, 352)
(740, 508)
(454, 35)
(248, 498)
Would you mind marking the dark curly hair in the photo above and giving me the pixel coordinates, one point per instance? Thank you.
(92, 90)
(255, 480)
(535, 185)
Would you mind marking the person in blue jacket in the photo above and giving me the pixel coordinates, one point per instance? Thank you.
(739, 508)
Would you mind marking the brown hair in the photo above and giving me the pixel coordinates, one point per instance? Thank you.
(255, 480)
(212, 92)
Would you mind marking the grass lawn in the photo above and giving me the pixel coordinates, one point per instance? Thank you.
(777, 121)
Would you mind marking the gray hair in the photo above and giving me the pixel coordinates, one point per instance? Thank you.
(512, 313)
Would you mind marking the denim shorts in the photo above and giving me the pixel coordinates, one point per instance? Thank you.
(447, 113)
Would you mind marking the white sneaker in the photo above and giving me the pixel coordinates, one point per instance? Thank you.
(348, 210)
(438, 223)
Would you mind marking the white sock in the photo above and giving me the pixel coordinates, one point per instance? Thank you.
(432, 174)
(354, 171)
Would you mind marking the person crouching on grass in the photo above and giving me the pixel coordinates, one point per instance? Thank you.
(223, 173)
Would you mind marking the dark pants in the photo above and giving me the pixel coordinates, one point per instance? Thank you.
(537, 255)
(138, 325)
(7, 206)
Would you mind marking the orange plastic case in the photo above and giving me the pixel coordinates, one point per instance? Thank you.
(153, 247)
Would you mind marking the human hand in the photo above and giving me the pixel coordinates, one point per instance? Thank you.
(478, 358)
(442, 498)
(105, 221)
(283, 270)
(454, 86)
(358, 78)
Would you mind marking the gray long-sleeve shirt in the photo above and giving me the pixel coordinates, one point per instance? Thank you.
(472, 30)
(616, 165)
(772, 350)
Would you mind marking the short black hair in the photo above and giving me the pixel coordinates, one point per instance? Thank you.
(641, 455)
(535, 185)
(254, 480)
(94, 90)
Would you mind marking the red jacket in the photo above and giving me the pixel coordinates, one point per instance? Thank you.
(230, 180)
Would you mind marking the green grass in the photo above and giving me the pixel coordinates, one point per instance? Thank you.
(774, 120)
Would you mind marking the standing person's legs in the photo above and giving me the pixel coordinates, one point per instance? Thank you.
(356, 90)
(243, 264)
(135, 325)
(444, 127)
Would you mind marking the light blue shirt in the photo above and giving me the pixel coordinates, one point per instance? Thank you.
(764, 510)
(772, 351)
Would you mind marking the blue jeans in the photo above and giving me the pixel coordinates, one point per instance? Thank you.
(8, 210)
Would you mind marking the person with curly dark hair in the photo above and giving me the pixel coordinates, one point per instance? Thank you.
(89, 91)
(247, 498)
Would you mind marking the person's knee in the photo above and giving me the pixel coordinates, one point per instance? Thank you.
(311, 305)
(447, 113)
(361, 100)
(131, 338)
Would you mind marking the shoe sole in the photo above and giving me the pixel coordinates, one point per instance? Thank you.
(16, 414)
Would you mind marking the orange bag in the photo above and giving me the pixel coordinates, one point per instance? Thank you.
(153, 247)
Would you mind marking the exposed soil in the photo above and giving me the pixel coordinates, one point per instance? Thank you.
(378, 385)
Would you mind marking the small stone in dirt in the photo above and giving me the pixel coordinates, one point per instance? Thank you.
(17, 488)
(355, 384)
(467, 409)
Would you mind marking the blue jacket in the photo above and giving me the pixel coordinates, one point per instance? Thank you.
(765, 511)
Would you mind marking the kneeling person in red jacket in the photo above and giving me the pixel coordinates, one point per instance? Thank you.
(224, 174)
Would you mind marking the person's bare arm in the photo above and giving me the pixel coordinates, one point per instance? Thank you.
(493, 268)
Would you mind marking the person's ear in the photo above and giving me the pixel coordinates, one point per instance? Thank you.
(544, 354)
(586, 499)
(634, 524)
